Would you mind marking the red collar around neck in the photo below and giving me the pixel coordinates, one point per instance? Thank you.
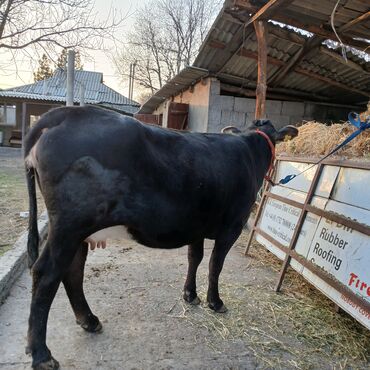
(272, 148)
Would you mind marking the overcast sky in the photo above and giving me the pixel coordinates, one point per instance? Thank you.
(9, 77)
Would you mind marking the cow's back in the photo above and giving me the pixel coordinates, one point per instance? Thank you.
(178, 186)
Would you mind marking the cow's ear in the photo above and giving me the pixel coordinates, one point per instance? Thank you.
(286, 133)
(230, 130)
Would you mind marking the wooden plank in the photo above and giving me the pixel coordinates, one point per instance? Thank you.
(288, 94)
(303, 22)
(320, 31)
(347, 163)
(299, 225)
(354, 22)
(258, 214)
(286, 35)
(329, 81)
(322, 274)
(233, 46)
(364, 229)
(339, 219)
(253, 55)
(262, 70)
(216, 44)
(300, 70)
(267, 10)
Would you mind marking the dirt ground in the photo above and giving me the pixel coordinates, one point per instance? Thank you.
(136, 292)
(13, 197)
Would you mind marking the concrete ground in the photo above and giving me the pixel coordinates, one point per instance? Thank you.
(136, 293)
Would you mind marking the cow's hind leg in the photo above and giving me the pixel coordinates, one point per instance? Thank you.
(223, 243)
(195, 256)
(73, 284)
(47, 273)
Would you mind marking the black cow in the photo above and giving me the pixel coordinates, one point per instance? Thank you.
(102, 173)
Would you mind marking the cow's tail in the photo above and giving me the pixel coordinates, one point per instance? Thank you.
(33, 232)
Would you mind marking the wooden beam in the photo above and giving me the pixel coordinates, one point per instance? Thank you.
(311, 44)
(267, 10)
(235, 84)
(320, 31)
(230, 50)
(339, 58)
(216, 44)
(238, 90)
(262, 70)
(285, 34)
(253, 55)
(353, 22)
(248, 93)
(316, 76)
(329, 81)
(235, 45)
(317, 30)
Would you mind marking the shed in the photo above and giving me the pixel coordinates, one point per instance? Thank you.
(276, 59)
(21, 106)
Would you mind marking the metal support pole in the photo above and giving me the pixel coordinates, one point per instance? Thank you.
(133, 79)
(82, 95)
(129, 82)
(70, 77)
(24, 116)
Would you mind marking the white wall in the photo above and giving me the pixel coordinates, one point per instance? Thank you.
(198, 99)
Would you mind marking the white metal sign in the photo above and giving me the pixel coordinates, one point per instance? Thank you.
(342, 252)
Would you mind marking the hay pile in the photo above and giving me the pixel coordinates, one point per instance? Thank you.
(298, 329)
(316, 139)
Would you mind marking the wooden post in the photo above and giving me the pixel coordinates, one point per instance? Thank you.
(262, 70)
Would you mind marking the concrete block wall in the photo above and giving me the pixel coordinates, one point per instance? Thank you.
(239, 112)
(209, 111)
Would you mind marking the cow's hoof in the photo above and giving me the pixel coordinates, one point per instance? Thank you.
(51, 364)
(195, 301)
(191, 299)
(92, 326)
(218, 308)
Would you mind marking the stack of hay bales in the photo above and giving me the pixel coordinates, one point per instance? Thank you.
(316, 139)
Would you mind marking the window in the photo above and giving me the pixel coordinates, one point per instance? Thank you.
(7, 115)
(33, 120)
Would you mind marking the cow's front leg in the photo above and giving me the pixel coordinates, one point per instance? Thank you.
(73, 284)
(195, 256)
(223, 243)
(47, 274)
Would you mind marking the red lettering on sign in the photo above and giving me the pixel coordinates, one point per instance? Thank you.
(356, 282)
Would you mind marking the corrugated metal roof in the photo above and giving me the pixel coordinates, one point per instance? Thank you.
(233, 53)
(230, 52)
(54, 89)
(187, 77)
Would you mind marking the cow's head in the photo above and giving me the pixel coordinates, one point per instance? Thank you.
(265, 125)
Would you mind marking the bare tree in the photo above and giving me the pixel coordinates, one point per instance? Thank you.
(165, 38)
(49, 25)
